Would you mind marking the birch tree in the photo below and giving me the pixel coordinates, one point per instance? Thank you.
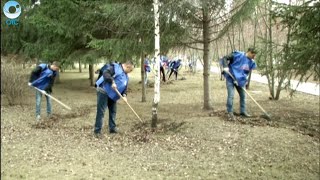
(156, 98)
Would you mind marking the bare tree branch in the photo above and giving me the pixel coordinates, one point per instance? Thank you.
(187, 44)
(196, 40)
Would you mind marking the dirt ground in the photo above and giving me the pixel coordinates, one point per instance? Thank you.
(189, 142)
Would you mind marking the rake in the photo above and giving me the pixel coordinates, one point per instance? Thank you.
(45, 93)
(266, 115)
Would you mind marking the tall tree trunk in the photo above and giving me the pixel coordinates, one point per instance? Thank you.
(233, 35)
(279, 88)
(227, 47)
(231, 44)
(143, 83)
(271, 52)
(268, 47)
(24, 65)
(239, 37)
(283, 73)
(156, 98)
(206, 64)
(80, 68)
(91, 74)
(242, 34)
(57, 79)
(217, 48)
(254, 43)
(255, 31)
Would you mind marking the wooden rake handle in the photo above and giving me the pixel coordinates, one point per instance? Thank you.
(254, 100)
(247, 93)
(128, 105)
(44, 92)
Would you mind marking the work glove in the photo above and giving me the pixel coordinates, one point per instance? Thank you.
(48, 90)
(42, 91)
(29, 84)
(235, 83)
(125, 99)
(114, 86)
(226, 69)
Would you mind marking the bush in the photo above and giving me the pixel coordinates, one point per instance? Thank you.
(14, 81)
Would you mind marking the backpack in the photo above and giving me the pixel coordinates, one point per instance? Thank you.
(102, 69)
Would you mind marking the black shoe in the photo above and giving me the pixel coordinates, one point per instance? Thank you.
(236, 114)
(114, 131)
(244, 114)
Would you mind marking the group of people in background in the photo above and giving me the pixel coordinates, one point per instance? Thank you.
(113, 81)
(172, 66)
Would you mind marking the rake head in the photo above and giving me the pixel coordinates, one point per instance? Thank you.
(266, 116)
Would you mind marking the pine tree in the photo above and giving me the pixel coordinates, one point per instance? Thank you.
(206, 22)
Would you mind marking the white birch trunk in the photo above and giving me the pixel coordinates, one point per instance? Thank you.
(156, 98)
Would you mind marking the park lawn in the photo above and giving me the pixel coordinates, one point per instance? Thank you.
(189, 143)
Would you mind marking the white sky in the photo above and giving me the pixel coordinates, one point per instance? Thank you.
(285, 1)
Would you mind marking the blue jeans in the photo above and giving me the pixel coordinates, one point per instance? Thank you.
(230, 89)
(103, 101)
(38, 103)
(146, 77)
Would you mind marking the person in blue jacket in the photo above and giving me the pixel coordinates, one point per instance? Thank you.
(170, 64)
(102, 69)
(114, 78)
(43, 77)
(239, 64)
(147, 69)
(175, 68)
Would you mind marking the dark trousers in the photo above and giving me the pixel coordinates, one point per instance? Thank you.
(175, 73)
(163, 74)
(103, 101)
